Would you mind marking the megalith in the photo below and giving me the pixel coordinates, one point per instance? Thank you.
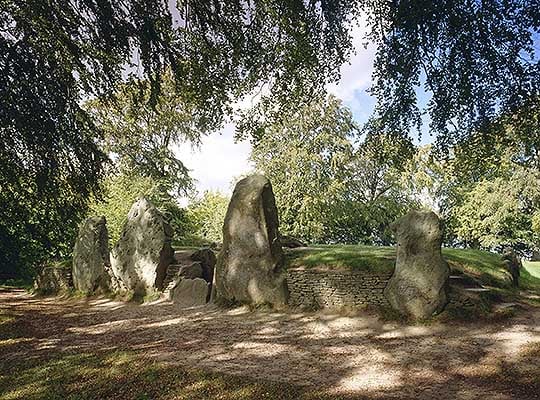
(418, 287)
(140, 258)
(91, 265)
(249, 267)
(513, 265)
(53, 278)
(190, 292)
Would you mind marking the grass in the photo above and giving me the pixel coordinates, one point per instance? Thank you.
(119, 374)
(368, 258)
(26, 284)
(483, 266)
(125, 375)
(533, 268)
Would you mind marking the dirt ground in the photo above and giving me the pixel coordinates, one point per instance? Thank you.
(347, 355)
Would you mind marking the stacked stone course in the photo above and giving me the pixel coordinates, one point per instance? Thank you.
(319, 288)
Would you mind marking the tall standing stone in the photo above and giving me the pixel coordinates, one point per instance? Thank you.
(512, 264)
(140, 258)
(91, 265)
(419, 283)
(249, 268)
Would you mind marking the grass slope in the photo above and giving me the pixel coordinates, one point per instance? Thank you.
(484, 266)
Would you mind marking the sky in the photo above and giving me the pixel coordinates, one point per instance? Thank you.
(220, 160)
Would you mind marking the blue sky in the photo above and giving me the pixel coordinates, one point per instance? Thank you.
(220, 160)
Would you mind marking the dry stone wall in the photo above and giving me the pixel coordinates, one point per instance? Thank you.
(319, 288)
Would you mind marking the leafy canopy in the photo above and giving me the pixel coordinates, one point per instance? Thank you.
(327, 188)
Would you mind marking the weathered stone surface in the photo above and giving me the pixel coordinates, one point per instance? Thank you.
(249, 266)
(191, 271)
(315, 288)
(512, 264)
(208, 259)
(190, 292)
(53, 279)
(140, 259)
(91, 265)
(420, 280)
(205, 258)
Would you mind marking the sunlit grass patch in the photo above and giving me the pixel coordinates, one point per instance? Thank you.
(368, 258)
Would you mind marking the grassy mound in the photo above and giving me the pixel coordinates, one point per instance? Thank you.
(484, 267)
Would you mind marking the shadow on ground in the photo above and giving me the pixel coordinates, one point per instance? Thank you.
(98, 348)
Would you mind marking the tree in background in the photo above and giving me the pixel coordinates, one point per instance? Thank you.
(205, 217)
(500, 192)
(305, 158)
(478, 58)
(327, 189)
(501, 211)
(140, 137)
(120, 191)
(54, 54)
(376, 190)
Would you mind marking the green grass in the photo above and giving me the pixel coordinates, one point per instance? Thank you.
(368, 258)
(126, 375)
(533, 268)
(485, 267)
(26, 284)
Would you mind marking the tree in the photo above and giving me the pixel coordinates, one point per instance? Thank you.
(502, 211)
(327, 189)
(304, 158)
(376, 191)
(140, 136)
(121, 190)
(206, 216)
(477, 57)
(54, 54)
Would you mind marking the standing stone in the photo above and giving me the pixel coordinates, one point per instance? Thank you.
(512, 263)
(53, 278)
(249, 266)
(140, 258)
(191, 271)
(207, 258)
(190, 292)
(419, 283)
(91, 265)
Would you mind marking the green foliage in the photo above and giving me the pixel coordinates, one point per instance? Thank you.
(478, 59)
(54, 54)
(305, 157)
(327, 189)
(121, 191)
(35, 227)
(140, 136)
(205, 218)
(501, 211)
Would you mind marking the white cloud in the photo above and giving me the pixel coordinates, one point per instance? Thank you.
(355, 75)
(217, 161)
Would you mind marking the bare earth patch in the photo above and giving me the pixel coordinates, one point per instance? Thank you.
(343, 356)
